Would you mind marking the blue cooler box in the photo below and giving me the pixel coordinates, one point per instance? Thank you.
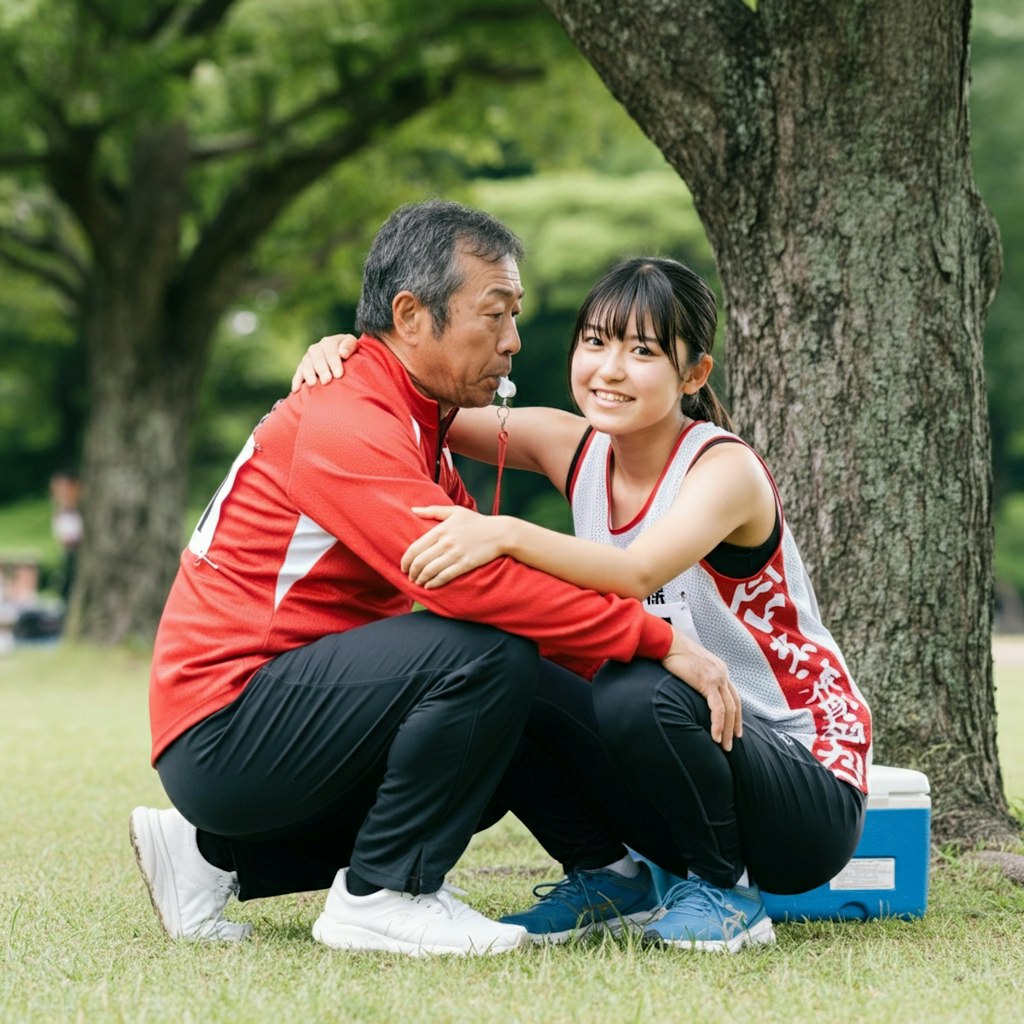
(888, 875)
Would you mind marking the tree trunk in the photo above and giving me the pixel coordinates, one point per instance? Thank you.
(145, 358)
(826, 146)
(135, 468)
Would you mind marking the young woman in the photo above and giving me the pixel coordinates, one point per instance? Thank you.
(671, 507)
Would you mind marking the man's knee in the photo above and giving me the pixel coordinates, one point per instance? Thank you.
(521, 653)
(519, 662)
(504, 662)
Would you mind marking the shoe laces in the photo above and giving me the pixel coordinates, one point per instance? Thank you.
(705, 899)
(225, 887)
(444, 902)
(451, 904)
(568, 890)
(214, 924)
(677, 893)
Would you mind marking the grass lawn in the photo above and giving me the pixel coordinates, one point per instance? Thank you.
(79, 941)
(25, 529)
(1009, 678)
(26, 533)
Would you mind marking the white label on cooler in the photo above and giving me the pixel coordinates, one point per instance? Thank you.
(866, 873)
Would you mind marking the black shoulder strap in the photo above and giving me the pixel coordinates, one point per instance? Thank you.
(577, 455)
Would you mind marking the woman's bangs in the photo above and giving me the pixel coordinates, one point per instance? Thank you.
(645, 298)
(611, 317)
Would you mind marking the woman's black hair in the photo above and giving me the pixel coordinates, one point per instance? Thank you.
(679, 305)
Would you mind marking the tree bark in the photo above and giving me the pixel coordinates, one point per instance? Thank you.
(144, 365)
(136, 447)
(827, 149)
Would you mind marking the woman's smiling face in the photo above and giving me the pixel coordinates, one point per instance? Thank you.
(624, 383)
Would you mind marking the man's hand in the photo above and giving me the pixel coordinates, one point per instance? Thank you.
(323, 360)
(702, 671)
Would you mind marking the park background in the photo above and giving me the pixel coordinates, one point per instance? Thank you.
(557, 157)
(544, 146)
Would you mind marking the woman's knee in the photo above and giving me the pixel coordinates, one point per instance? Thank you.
(634, 701)
(624, 705)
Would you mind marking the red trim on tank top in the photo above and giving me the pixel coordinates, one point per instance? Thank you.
(654, 490)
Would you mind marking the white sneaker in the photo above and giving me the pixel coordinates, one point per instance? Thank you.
(397, 922)
(189, 894)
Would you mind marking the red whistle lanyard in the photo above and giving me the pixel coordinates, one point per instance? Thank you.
(502, 449)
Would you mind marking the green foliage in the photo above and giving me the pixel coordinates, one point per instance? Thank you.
(594, 194)
(997, 107)
(577, 224)
(26, 532)
(269, 97)
(997, 123)
(1009, 524)
(40, 387)
(551, 511)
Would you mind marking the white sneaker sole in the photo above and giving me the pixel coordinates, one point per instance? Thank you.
(761, 934)
(615, 926)
(337, 935)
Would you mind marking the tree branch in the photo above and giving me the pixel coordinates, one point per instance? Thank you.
(48, 274)
(206, 16)
(68, 162)
(226, 145)
(511, 12)
(16, 161)
(248, 211)
(175, 24)
(158, 18)
(711, 51)
(51, 245)
(232, 145)
(239, 143)
(69, 173)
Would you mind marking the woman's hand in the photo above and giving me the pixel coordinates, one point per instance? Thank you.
(323, 360)
(702, 671)
(461, 541)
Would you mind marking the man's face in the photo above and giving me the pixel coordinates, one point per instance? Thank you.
(461, 367)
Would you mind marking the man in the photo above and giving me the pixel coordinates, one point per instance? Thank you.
(309, 729)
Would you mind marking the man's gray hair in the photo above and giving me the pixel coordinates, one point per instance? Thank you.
(416, 250)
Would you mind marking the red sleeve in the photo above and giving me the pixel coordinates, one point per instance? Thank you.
(357, 471)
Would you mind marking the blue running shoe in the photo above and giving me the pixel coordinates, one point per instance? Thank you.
(585, 901)
(698, 915)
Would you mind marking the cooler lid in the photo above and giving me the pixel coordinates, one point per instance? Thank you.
(884, 780)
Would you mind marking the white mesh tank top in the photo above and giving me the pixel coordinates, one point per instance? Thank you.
(766, 628)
